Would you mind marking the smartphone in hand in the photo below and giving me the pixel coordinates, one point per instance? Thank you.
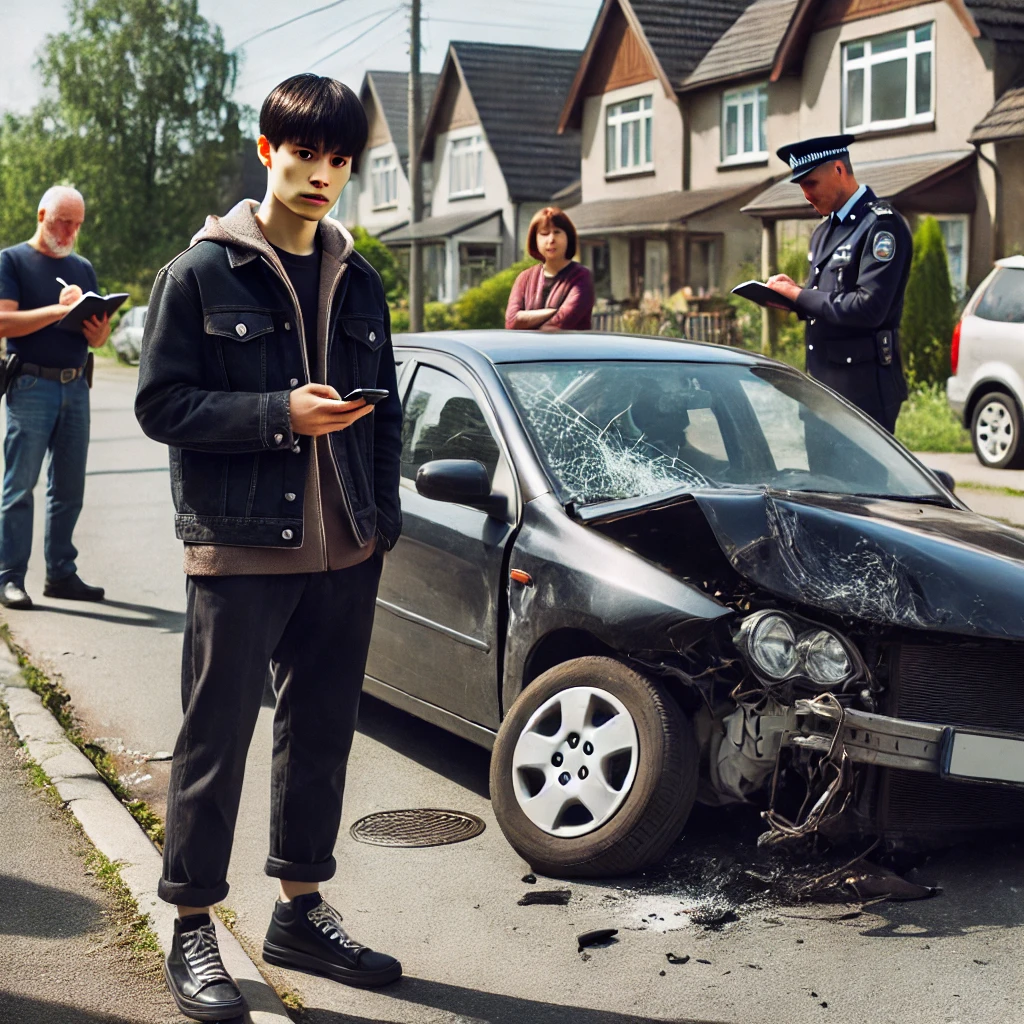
(369, 395)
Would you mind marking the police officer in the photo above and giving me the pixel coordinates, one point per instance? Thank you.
(853, 300)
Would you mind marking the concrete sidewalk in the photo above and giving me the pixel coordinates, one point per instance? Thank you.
(976, 484)
(63, 957)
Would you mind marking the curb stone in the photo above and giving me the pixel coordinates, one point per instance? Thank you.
(116, 834)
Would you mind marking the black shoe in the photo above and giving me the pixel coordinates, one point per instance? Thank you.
(201, 986)
(71, 588)
(306, 935)
(13, 596)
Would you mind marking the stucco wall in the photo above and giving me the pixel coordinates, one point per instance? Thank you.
(376, 220)
(667, 142)
(783, 125)
(1010, 157)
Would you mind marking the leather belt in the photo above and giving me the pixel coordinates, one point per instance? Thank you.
(52, 372)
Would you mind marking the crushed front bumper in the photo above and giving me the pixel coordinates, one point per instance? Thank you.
(965, 755)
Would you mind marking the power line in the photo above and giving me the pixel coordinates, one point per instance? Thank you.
(290, 21)
(496, 24)
(355, 39)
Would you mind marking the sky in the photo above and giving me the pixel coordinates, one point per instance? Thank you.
(365, 33)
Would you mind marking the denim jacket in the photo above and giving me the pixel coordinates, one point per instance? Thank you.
(222, 350)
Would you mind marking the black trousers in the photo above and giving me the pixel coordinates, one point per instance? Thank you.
(313, 631)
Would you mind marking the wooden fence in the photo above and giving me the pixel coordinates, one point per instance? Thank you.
(716, 327)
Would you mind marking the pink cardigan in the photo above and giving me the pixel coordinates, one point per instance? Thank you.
(572, 297)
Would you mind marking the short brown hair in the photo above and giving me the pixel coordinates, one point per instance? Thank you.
(549, 217)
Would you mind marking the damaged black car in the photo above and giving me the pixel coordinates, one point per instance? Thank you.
(647, 572)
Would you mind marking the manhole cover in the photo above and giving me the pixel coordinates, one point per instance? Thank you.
(420, 826)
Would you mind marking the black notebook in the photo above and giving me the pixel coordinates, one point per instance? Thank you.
(763, 295)
(90, 304)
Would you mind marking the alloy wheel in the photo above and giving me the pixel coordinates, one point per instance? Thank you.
(994, 431)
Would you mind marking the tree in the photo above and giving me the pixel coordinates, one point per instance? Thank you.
(140, 118)
(384, 261)
(928, 309)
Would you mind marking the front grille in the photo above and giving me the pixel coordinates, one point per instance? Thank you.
(976, 685)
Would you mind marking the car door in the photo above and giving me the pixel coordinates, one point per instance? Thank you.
(438, 633)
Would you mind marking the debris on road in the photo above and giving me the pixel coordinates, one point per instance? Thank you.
(549, 897)
(596, 937)
(530, 879)
(878, 883)
(712, 916)
(673, 959)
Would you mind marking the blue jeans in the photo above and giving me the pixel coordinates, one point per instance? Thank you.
(43, 416)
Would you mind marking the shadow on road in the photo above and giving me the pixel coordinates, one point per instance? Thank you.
(471, 1004)
(451, 756)
(42, 911)
(154, 618)
(39, 1011)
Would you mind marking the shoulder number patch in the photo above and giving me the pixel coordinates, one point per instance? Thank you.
(884, 246)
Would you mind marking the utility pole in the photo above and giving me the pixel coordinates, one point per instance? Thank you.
(415, 171)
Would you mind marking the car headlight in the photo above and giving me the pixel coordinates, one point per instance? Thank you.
(772, 646)
(825, 659)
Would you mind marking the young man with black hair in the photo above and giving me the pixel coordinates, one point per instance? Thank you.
(286, 497)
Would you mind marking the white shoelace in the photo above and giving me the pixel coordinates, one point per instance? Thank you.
(199, 947)
(327, 921)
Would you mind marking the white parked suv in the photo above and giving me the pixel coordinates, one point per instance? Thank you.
(987, 386)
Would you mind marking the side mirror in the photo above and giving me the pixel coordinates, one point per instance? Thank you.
(460, 481)
(946, 479)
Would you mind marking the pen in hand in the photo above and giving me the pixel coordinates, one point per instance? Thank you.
(60, 280)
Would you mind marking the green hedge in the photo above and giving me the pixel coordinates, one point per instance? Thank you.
(926, 329)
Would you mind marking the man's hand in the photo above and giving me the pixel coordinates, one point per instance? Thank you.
(317, 409)
(784, 285)
(70, 295)
(96, 329)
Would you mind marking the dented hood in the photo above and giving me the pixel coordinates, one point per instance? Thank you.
(890, 562)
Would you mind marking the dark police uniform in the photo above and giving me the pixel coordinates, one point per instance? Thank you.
(853, 299)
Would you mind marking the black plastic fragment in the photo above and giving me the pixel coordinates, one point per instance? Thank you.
(550, 897)
(673, 959)
(530, 879)
(595, 938)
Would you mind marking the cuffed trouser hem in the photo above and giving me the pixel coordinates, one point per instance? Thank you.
(182, 894)
(292, 872)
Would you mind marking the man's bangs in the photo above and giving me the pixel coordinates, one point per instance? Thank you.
(314, 111)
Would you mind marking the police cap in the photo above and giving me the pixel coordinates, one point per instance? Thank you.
(803, 157)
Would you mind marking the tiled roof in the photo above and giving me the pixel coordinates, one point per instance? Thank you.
(434, 228)
(1004, 121)
(653, 213)
(1001, 20)
(748, 46)
(887, 178)
(682, 31)
(518, 92)
(392, 88)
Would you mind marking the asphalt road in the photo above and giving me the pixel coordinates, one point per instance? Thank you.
(472, 954)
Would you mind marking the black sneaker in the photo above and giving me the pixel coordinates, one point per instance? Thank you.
(72, 588)
(306, 935)
(12, 595)
(201, 986)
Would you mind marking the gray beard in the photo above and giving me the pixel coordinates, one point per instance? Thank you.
(56, 249)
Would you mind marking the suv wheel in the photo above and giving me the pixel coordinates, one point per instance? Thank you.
(594, 770)
(996, 432)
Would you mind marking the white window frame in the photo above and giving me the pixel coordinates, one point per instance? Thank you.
(384, 181)
(466, 151)
(869, 60)
(740, 98)
(617, 121)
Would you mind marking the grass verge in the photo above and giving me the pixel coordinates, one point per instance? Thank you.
(927, 424)
(57, 701)
(1006, 492)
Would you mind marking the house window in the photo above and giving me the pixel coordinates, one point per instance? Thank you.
(888, 80)
(384, 178)
(954, 234)
(629, 143)
(466, 167)
(744, 124)
(476, 264)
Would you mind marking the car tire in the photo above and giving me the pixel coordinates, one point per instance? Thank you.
(653, 804)
(996, 432)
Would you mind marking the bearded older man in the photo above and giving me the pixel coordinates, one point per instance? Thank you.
(48, 400)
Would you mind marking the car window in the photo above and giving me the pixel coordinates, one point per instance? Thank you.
(607, 430)
(1003, 299)
(444, 421)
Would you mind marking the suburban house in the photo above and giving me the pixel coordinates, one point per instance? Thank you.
(679, 179)
(379, 197)
(492, 137)
(646, 225)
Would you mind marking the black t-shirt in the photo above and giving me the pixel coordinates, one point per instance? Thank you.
(304, 274)
(549, 283)
(30, 279)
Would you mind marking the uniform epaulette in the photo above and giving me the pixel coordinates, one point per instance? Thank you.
(881, 209)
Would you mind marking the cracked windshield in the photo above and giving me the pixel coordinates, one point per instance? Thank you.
(609, 430)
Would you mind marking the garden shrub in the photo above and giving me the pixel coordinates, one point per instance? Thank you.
(928, 309)
(384, 261)
(484, 306)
